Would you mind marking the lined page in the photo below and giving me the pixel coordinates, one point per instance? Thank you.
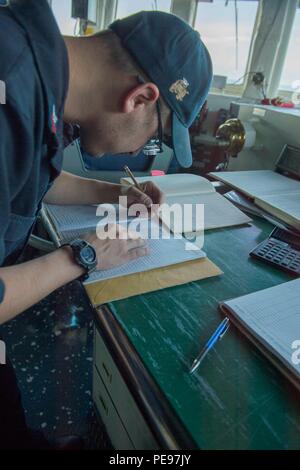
(218, 212)
(163, 252)
(285, 206)
(273, 316)
(68, 218)
(75, 221)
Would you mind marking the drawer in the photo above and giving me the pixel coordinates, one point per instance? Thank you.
(114, 426)
(126, 406)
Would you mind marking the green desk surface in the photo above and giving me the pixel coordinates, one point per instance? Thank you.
(236, 399)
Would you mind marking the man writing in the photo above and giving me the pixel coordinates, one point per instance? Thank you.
(147, 75)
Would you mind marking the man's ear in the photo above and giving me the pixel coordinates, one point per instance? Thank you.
(140, 96)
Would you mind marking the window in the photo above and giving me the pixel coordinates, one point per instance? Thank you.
(226, 28)
(126, 8)
(62, 12)
(290, 78)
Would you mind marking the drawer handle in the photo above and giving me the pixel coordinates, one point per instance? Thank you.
(103, 404)
(109, 376)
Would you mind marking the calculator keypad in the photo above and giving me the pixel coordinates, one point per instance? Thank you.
(279, 254)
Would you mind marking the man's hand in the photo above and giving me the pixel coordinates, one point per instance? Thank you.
(114, 252)
(72, 189)
(37, 278)
(150, 194)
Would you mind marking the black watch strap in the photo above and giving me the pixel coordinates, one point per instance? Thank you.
(79, 248)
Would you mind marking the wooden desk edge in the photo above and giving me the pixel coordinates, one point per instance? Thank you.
(163, 422)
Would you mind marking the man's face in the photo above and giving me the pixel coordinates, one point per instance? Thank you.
(119, 134)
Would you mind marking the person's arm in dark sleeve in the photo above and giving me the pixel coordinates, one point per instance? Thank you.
(23, 285)
(28, 283)
(2, 290)
(5, 197)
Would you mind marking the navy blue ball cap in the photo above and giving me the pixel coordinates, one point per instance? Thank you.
(172, 55)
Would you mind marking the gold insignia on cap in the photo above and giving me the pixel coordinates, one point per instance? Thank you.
(180, 89)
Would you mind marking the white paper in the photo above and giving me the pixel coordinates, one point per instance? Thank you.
(185, 188)
(74, 221)
(286, 206)
(75, 217)
(178, 184)
(218, 212)
(162, 253)
(273, 316)
(259, 183)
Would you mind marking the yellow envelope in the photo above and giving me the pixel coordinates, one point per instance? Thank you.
(101, 292)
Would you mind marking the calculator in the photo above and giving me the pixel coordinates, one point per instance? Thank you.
(281, 250)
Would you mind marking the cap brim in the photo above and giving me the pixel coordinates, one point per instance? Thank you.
(181, 143)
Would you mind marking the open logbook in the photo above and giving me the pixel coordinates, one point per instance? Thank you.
(169, 263)
(183, 189)
(70, 221)
(277, 194)
(271, 319)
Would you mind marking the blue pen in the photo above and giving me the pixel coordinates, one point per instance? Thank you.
(218, 334)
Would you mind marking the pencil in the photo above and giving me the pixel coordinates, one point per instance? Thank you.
(130, 175)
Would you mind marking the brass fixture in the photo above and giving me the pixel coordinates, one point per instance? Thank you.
(231, 136)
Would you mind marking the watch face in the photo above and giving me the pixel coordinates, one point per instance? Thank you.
(88, 255)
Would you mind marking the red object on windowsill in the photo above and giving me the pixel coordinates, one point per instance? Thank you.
(157, 173)
(277, 102)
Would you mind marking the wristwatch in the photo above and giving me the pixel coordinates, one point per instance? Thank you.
(84, 255)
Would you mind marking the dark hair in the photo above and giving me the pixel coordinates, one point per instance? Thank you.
(116, 53)
(119, 57)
